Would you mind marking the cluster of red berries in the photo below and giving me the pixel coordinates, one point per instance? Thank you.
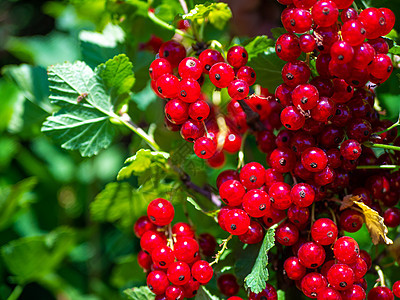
(188, 109)
(174, 266)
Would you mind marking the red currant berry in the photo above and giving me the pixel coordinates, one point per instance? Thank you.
(380, 46)
(144, 260)
(247, 74)
(380, 293)
(157, 282)
(199, 110)
(307, 43)
(190, 67)
(232, 192)
(302, 195)
(253, 235)
(356, 292)
(298, 215)
(181, 229)
(268, 293)
(282, 160)
(227, 175)
(325, 13)
(324, 110)
(311, 255)
(305, 96)
(307, 4)
(329, 294)
(174, 292)
(292, 119)
(312, 284)
(346, 250)
(168, 85)
(390, 20)
(273, 216)
(374, 22)
(381, 66)
(162, 257)
(256, 203)
(340, 277)
(342, 52)
(252, 175)
(238, 89)
(295, 73)
(351, 220)
(191, 130)
(237, 56)
(142, 225)
(204, 147)
(202, 271)
(176, 111)
(207, 244)
(186, 249)
(350, 149)
(283, 94)
(190, 289)
(392, 217)
(353, 32)
(279, 194)
(294, 269)
(296, 20)
(272, 176)
(396, 288)
(210, 57)
(172, 51)
(359, 268)
(314, 159)
(287, 234)
(221, 74)
(189, 90)
(324, 231)
(151, 240)
(227, 285)
(160, 211)
(287, 47)
(159, 67)
(178, 273)
(237, 221)
(348, 14)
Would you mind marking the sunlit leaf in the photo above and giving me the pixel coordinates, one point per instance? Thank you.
(139, 293)
(217, 13)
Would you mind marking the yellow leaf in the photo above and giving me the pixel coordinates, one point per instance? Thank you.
(375, 225)
(348, 201)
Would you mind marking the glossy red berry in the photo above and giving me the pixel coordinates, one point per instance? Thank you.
(204, 147)
(325, 13)
(268, 293)
(157, 282)
(297, 20)
(174, 292)
(189, 90)
(237, 56)
(282, 159)
(342, 52)
(396, 288)
(252, 175)
(253, 235)
(144, 260)
(307, 43)
(142, 225)
(221, 74)
(359, 268)
(311, 255)
(227, 175)
(329, 294)
(380, 293)
(186, 249)
(279, 194)
(227, 284)
(287, 47)
(191, 130)
(305, 96)
(314, 159)
(292, 118)
(256, 203)
(160, 211)
(381, 66)
(374, 22)
(340, 277)
(168, 86)
(350, 149)
(232, 192)
(181, 229)
(287, 234)
(355, 292)
(324, 231)
(238, 89)
(178, 273)
(324, 110)
(312, 284)
(190, 289)
(353, 32)
(199, 110)
(392, 217)
(151, 240)
(298, 215)
(202, 271)
(190, 67)
(302, 195)
(159, 67)
(307, 4)
(208, 58)
(162, 257)
(273, 216)
(176, 111)
(295, 73)
(293, 268)
(346, 250)
(247, 74)
(351, 220)
(237, 221)
(172, 51)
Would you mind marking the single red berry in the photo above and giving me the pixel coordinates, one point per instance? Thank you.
(350, 149)
(287, 234)
(353, 32)
(295, 73)
(380, 293)
(307, 43)
(238, 89)
(292, 118)
(363, 55)
(380, 45)
(329, 294)
(247, 74)
(302, 195)
(253, 235)
(159, 67)
(359, 268)
(172, 51)
(273, 216)
(168, 86)
(142, 225)
(311, 255)
(207, 244)
(157, 282)
(252, 175)
(279, 194)
(232, 192)
(189, 90)
(359, 130)
(314, 159)
(174, 292)
(237, 221)
(348, 14)
(324, 110)
(178, 273)
(160, 211)
(283, 94)
(282, 159)
(204, 147)
(324, 231)
(340, 277)
(162, 257)
(287, 47)
(356, 292)
(190, 289)
(351, 220)
(186, 249)
(265, 141)
(176, 111)
(325, 13)
(199, 110)
(190, 67)
(342, 52)
(256, 203)
(374, 22)
(312, 284)
(390, 20)
(305, 96)
(272, 176)
(297, 20)
(181, 229)
(346, 250)
(191, 130)
(221, 74)
(227, 175)
(392, 217)
(396, 288)
(210, 57)
(237, 56)
(227, 284)
(151, 240)
(298, 215)
(202, 271)
(294, 269)
(381, 66)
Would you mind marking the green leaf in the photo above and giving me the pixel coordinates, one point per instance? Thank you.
(217, 13)
(32, 258)
(257, 45)
(83, 123)
(118, 78)
(99, 47)
(256, 280)
(268, 67)
(145, 97)
(139, 293)
(395, 50)
(141, 162)
(10, 96)
(281, 295)
(204, 294)
(13, 199)
(277, 32)
(126, 272)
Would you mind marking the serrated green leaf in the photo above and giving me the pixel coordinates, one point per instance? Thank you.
(14, 199)
(32, 258)
(139, 293)
(142, 161)
(257, 45)
(204, 294)
(277, 32)
(257, 279)
(268, 67)
(83, 123)
(99, 47)
(217, 13)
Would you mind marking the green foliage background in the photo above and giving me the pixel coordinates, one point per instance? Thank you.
(66, 213)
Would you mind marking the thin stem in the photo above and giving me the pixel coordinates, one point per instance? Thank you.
(127, 121)
(355, 5)
(160, 22)
(220, 252)
(332, 214)
(293, 178)
(378, 167)
(170, 237)
(241, 152)
(16, 293)
(389, 128)
(217, 44)
(312, 213)
(381, 275)
(382, 146)
(184, 6)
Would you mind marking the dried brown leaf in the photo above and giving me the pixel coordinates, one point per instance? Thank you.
(348, 201)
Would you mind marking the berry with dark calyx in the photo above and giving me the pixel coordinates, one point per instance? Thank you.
(265, 141)
(159, 67)
(350, 149)
(298, 215)
(202, 271)
(204, 147)
(227, 175)
(326, 176)
(353, 32)
(190, 288)
(305, 96)
(168, 86)
(342, 52)
(287, 234)
(346, 250)
(356, 292)
(294, 269)
(151, 240)
(380, 293)
(314, 159)
(256, 203)
(190, 67)
(162, 257)
(296, 20)
(247, 74)
(380, 45)
(237, 221)
(221, 74)
(324, 110)
(172, 51)
(273, 216)
(238, 89)
(186, 249)
(307, 43)
(253, 235)
(142, 225)
(359, 268)
(160, 211)
(325, 13)
(174, 292)
(191, 130)
(279, 194)
(157, 282)
(312, 284)
(363, 55)
(295, 73)
(176, 111)
(329, 294)
(378, 185)
(252, 175)
(324, 231)
(340, 277)
(381, 66)
(302, 195)
(374, 22)
(232, 192)
(222, 216)
(178, 273)
(199, 110)
(311, 255)
(351, 220)
(282, 159)
(237, 56)
(189, 90)
(292, 118)
(348, 14)
(227, 284)
(287, 47)
(181, 229)
(359, 130)
(283, 94)
(210, 57)
(272, 176)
